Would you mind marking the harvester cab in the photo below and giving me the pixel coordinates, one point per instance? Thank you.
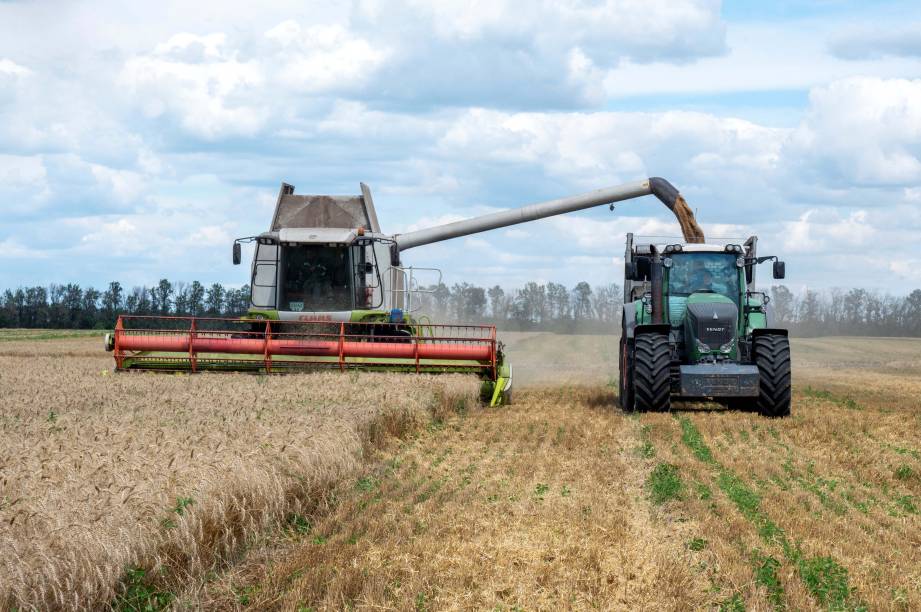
(695, 326)
(324, 259)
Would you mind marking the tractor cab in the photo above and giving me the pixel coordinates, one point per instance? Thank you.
(703, 288)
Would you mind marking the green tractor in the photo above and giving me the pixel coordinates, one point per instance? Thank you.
(694, 327)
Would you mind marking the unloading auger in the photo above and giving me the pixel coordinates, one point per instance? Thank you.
(329, 290)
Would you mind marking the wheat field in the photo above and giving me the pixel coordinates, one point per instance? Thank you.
(155, 480)
(391, 492)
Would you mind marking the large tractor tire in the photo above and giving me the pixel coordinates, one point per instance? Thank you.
(651, 373)
(772, 356)
(625, 387)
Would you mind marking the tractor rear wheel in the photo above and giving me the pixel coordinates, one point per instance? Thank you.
(652, 373)
(625, 388)
(772, 356)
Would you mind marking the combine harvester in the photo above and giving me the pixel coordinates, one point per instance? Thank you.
(329, 290)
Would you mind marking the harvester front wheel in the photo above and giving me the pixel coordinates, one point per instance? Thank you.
(652, 373)
(625, 387)
(772, 356)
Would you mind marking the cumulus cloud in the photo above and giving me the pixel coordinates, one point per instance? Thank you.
(589, 150)
(174, 136)
(861, 130)
(825, 231)
(323, 58)
(10, 68)
(23, 183)
(874, 43)
(201, 80)
(11, 248)
(552, 55)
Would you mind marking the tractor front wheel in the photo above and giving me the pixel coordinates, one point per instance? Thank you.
(651, 373)
(772, 356)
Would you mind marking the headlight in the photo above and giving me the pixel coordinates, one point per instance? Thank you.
(701, 347)
(727, 348)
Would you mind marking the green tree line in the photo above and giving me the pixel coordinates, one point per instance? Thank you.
(74, 307)
(535, 306)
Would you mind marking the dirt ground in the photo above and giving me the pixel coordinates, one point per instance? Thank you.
(562, 501)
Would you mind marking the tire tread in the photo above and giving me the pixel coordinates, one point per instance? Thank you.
(772, 356)
(652, 373)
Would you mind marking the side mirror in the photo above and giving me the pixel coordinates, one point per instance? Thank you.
(237, 253)
(780, 269)
(630, 270)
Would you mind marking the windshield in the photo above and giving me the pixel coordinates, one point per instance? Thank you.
(695, 272)
(316, 278)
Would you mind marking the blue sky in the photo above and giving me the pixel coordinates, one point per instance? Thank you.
(136, 142)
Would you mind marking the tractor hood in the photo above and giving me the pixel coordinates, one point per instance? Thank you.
(710, 324)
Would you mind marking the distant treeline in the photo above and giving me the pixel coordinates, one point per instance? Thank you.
(73, 307)
(536, 306)
(853, 312)
(847, 312)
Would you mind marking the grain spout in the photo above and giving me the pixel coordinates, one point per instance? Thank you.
(692, 232)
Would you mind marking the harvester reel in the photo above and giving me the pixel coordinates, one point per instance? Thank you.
(772, 356)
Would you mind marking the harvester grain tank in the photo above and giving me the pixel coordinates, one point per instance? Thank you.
(695, 326)
(328, 289)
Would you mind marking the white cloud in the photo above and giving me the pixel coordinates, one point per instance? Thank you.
(596, 149)
(210, 235)
(119, 238)
(826, 231)
(863, 130)
(762, 57)
(200, 79)
(17, 170)
(516, 234)
(174, 135)
(13, 249)
(23, 184)
(323, 58)
(125, 186)
(877, 42)
(11, 68)
(906, 269)
(610, 28)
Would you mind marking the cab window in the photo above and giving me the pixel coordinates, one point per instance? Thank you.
(317, 278)
(702, 272)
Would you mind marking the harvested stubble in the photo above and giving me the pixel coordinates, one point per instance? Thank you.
(539, 505)
(561, 502)
(173, 474)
